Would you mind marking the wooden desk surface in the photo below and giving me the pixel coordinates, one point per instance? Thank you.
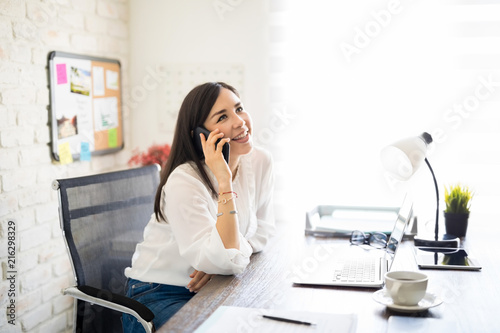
(471, 298)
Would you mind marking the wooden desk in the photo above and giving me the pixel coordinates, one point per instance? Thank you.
(470, 298)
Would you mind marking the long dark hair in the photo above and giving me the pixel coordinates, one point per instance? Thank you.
(193, 112)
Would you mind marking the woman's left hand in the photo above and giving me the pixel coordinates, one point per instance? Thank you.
(199, 280)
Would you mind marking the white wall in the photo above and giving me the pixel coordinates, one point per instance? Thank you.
(175, 33)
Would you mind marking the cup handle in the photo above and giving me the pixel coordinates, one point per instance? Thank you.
(396, 287)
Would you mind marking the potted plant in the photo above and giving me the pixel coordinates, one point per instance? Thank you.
(156, 154)
(456, 215)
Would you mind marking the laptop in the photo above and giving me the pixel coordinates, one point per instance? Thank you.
(368, 265)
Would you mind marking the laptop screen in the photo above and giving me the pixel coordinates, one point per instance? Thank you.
(404, 215)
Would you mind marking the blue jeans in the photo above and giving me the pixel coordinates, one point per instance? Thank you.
(162, 299)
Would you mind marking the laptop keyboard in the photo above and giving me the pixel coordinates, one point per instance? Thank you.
(361, 269)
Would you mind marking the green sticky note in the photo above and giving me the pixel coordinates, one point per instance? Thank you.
(112, 138)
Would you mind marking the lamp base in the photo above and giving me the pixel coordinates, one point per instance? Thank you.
(446, 241)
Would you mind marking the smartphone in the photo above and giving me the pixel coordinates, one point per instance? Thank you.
(198, 147)
(445, 258)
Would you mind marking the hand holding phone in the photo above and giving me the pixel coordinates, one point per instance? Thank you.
(199, 148)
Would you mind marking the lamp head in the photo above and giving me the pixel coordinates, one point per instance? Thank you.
(403, 158)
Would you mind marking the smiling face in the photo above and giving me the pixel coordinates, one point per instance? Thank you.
(230, 117)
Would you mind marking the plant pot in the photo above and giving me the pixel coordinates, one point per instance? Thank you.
(456, 223)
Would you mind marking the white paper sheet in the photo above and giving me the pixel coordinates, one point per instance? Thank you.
(245, 320)
(105, 113)
(98, 80)
(398, 324)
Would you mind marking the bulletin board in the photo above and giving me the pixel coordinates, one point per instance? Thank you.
(85, 106)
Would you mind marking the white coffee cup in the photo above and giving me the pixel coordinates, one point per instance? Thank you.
(406, 287)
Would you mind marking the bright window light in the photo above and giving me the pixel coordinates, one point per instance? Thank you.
(360, 75)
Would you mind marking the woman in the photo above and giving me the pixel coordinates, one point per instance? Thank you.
(210, 216)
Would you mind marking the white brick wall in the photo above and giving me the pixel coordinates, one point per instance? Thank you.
(29, 30)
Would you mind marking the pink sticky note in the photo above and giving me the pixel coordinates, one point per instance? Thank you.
(61, 74)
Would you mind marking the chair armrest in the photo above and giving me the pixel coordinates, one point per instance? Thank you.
(113, 301)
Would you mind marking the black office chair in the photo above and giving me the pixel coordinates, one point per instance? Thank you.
(102, 218)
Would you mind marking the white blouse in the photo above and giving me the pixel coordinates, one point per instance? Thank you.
(189, 239)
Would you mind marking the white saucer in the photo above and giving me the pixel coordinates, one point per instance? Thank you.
(430, 300)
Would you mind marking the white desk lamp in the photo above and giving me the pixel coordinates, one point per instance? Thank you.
(402, 159)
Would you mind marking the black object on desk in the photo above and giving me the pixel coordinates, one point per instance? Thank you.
(445, 258)
(286, 320)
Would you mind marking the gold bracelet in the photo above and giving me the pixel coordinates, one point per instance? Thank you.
(225, 201)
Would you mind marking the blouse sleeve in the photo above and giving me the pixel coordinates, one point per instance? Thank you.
(264, 203)
(191, 212)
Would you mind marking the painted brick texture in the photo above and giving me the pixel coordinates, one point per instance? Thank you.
(29, 30)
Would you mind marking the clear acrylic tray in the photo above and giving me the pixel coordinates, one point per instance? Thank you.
(342, 220)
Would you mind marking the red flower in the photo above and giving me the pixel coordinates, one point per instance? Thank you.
(155, 154)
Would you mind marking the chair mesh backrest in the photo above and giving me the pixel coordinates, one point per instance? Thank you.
(103, 218)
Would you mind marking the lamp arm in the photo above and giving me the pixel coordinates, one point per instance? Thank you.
(436, 230)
